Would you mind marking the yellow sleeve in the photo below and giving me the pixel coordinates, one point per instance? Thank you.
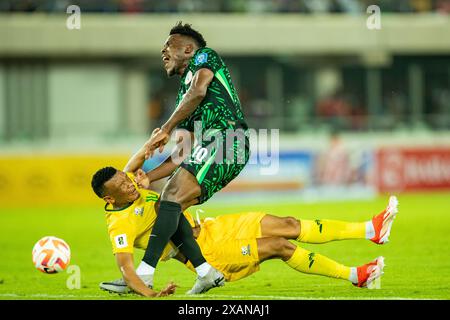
(122, 237)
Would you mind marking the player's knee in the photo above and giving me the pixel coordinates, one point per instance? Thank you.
(170, 193)
(179, 192)
(282, 248)
(292, 225)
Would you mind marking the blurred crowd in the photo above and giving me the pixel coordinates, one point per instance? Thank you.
(239, 6)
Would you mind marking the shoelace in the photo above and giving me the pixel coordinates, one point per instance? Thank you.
(197, 215)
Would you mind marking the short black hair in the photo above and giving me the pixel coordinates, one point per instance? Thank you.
(99, 179)
(186, 30)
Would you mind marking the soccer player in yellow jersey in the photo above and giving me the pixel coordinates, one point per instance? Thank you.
(234, 244)
(130, 216)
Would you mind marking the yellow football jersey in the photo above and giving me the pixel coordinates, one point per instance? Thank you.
(130, 227)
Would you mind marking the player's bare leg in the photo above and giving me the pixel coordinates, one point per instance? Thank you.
(285, 227)
(182, 188)
(274, 248)
(312, 263)
(323, 230)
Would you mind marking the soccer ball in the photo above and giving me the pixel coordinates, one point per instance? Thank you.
(51, 255)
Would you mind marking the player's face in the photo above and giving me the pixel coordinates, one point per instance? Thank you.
(121, 189)
(174, 54)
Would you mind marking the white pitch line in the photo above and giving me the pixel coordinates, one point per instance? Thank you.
(300, 298)
(43, 295)
(201, 297)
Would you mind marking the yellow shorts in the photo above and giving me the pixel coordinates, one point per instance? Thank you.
(228, 243)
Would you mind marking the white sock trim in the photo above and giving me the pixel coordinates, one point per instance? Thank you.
(353, 275)
(370, 231)
(202, 270)
(145, 269)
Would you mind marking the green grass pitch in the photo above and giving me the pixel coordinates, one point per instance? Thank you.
(417, 256)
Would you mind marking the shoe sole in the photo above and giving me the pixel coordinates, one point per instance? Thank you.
(111, 288)
(218, 283)
(388, 219)
(376, 272)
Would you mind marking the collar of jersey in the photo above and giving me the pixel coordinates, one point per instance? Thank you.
(191, 61)
(187, 68)
(121, 209)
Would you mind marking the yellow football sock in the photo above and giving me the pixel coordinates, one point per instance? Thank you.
(309, 262)
(320, 231)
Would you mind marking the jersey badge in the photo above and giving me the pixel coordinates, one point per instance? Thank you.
(121, 241)
(139, 211)
(245, 250)
(201, 58)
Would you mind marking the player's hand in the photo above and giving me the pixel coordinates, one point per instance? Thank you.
(170, 289)
(149, 146)
(142, 179)
(158, 139)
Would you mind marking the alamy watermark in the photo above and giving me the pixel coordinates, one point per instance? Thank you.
(229, 146)
(74, 279)
(373, 22)
(74, 20)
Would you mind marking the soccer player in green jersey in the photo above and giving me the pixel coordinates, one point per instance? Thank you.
(207, 100)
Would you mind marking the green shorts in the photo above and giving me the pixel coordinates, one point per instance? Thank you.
(217, 163)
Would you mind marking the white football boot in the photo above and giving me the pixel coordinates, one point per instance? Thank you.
(212, 279)
(119, 285)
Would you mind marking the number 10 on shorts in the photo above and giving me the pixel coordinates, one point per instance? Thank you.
(199, 154)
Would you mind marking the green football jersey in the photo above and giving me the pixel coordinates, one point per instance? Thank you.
(221, 108)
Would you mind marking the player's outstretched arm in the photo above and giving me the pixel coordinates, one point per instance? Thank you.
(197, 91)
(137, 160)
(126, 266)
(168, 166)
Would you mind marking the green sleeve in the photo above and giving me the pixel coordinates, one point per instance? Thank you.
(207, 58)
(186, 124)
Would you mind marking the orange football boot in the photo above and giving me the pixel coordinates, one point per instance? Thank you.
(382, 223)
(369, 272)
